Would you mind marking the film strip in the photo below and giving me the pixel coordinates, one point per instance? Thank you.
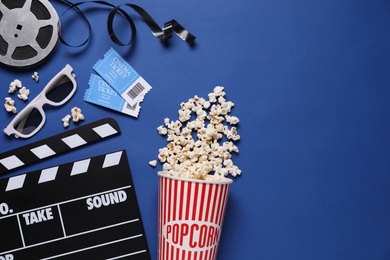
(58, 144)
(162, 34)
(81, 210)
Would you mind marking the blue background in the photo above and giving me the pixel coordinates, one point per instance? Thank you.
(310, 80)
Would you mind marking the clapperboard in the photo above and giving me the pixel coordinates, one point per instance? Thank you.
(82, 210)
(58, 144)
(85, 209)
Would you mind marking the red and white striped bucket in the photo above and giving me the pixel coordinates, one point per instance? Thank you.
(190, 217)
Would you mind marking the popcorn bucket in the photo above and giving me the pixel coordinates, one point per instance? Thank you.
(190, 217)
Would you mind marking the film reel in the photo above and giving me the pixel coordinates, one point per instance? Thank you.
(29, 32)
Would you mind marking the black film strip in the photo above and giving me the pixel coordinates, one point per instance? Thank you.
(162, 34)
(80, 210)
(57, 144)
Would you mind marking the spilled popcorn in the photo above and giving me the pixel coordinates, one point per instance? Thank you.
(23, 93)
(65, 120)
(9, 105)
(208, 156)
(76, 114)
(35, 76)
(14, 85)
(153, 163)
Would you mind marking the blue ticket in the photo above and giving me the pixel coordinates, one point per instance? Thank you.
(122, 77)
(102, 94)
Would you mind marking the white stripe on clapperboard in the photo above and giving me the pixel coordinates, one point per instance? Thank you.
(49, 174)
(44, 151)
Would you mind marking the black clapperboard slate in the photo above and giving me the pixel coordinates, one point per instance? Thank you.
(81, 210)
(58, 144)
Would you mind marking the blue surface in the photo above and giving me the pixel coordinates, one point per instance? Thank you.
(310, 80)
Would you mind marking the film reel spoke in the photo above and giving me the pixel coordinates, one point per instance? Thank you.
(2, 7)
(11, 49)
(27, 6)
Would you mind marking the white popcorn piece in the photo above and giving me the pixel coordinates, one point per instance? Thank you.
(65, 120)
(219, 91)
(12, 89)
(201, 114)
(23, 93)
(206, 104)
(75, 110)
(208, 157)
(162, 130)
(9, 105)
(233, 120)
(77, 117)
(76, 114)
(163, 154)
(35, 76)
(219, 127)
(221, 100)
(14, 85)
(153, 163)
(236, 137)
(184, 115)
(186, 105)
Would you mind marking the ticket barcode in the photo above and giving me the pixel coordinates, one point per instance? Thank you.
(97, 218)
(136, 90)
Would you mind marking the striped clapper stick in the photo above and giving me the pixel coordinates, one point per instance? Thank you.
(81, 210)
(57, 144)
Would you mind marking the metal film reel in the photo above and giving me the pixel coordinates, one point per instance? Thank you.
(29, 32)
